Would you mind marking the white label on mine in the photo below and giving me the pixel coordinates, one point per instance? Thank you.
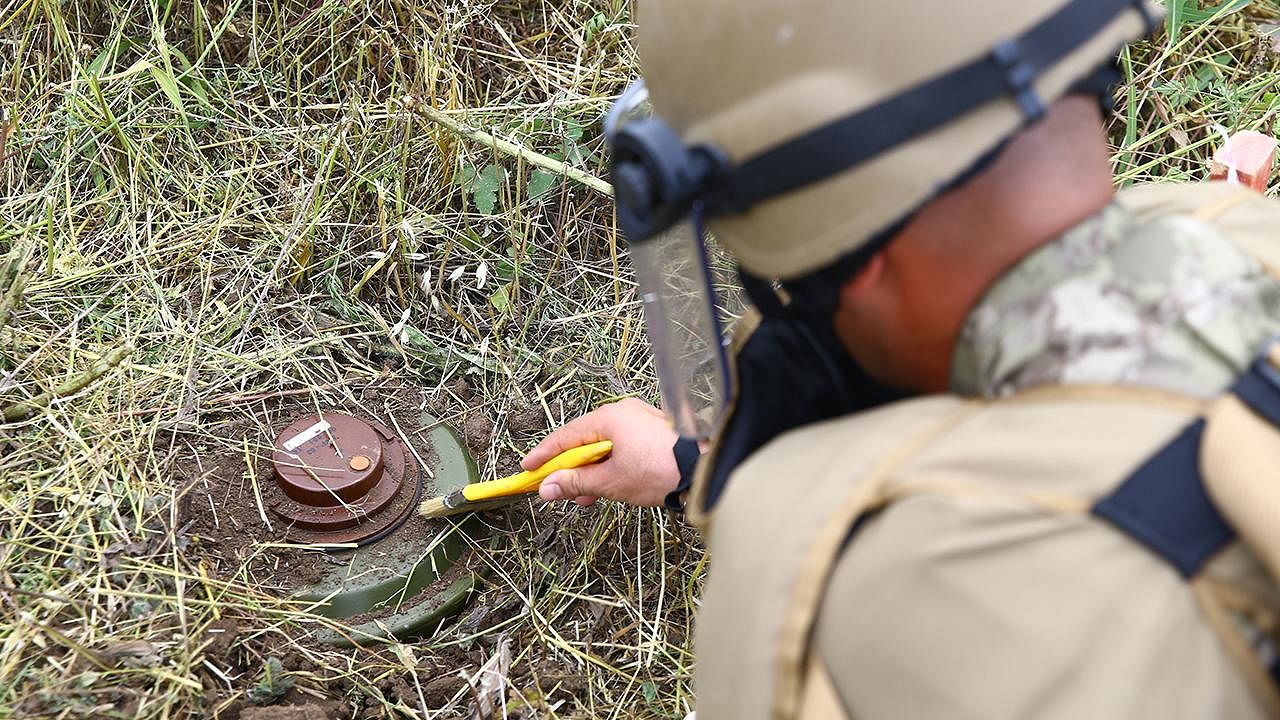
(301, 438)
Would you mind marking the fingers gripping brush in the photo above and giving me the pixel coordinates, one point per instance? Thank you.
(484, 495)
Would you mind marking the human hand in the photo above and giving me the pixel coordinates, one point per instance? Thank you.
(640, 471)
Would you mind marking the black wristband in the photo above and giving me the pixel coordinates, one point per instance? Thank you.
(687, 453)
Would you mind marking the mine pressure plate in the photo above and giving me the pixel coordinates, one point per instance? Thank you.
(344, 479)
(351, 485)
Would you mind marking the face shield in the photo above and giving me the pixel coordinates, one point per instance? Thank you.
(675, 287)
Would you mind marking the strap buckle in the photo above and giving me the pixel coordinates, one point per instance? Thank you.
(1020, 77)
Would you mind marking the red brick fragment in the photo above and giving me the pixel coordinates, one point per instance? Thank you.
(1250, 154)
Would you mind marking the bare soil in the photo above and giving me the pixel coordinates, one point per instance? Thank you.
(220, 508)
(308, 711)
(220, 517)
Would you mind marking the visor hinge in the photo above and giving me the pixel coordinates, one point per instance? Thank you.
(1020, 77)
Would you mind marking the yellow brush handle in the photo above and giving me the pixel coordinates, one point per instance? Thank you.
(529, 480)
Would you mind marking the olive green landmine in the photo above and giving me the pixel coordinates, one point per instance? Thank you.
(382, 584)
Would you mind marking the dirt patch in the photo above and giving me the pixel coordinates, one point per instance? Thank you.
(478, 432)
(528, 421)
(221, 634)
(497, 433)
(441, 691)
(231, 486)
(309, 711)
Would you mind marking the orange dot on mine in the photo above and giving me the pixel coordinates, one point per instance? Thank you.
(358, 463)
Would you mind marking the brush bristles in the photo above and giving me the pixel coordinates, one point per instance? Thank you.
(456, 503)
(444, 505)
(434, 507)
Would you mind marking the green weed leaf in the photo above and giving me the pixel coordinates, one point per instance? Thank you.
(501, 298)
(540, 181)
(570, 143)
(274, 684)
(505, 270)
(596, 25)
(1191, 13)
(650, 691)
(483, 186)
(169, 86)
(1184, 12)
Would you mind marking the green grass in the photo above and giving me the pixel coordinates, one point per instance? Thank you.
(240, 196)
(1217, 70)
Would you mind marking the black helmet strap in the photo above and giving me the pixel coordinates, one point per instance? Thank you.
(657, 178)
(1012, 67)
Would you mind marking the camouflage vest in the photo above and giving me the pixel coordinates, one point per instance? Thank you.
(939, 558)
(1165, 302)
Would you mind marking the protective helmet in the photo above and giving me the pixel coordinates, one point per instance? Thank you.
(804, 132)
(806, 129)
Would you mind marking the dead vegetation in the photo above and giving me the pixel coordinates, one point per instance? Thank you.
(208, 207)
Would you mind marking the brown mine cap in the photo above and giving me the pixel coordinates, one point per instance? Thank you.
(313, 456)
(344, 479)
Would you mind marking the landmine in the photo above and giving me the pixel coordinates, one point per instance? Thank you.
(348, 487)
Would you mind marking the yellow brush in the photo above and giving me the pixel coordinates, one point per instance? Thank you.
(484, 495)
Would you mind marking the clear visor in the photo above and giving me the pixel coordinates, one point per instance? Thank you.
(679, 305)
(680, 316)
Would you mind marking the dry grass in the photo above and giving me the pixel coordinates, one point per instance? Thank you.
(209, 205)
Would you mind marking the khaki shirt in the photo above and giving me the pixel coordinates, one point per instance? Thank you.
(936, 557)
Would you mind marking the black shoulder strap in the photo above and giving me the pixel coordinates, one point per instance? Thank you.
(1164, 505)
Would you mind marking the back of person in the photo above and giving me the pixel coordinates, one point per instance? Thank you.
(943, 558)
(1076, 515)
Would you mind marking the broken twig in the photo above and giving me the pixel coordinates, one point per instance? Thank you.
(23, 408)
(451, 124)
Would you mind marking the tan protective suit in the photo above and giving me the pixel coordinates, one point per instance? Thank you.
(937, 558)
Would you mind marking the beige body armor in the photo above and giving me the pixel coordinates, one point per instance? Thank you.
(939, 557)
